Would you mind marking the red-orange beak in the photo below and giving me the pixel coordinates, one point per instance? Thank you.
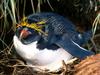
(24, 33)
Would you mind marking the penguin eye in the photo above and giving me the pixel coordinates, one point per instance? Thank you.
(18, 25)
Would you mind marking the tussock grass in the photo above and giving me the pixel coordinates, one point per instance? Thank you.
(96, 23)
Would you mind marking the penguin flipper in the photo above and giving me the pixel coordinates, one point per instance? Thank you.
(73, 48)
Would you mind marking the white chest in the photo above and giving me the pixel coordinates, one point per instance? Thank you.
(38, 57)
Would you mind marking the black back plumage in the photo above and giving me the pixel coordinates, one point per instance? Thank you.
(62, 33)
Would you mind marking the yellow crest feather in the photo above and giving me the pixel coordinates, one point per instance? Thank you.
(36, 26)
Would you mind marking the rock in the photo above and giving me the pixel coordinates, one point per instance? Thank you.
(89, 66)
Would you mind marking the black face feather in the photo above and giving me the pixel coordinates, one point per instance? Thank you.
(18, 31)
(31, 38)
(34, 36)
